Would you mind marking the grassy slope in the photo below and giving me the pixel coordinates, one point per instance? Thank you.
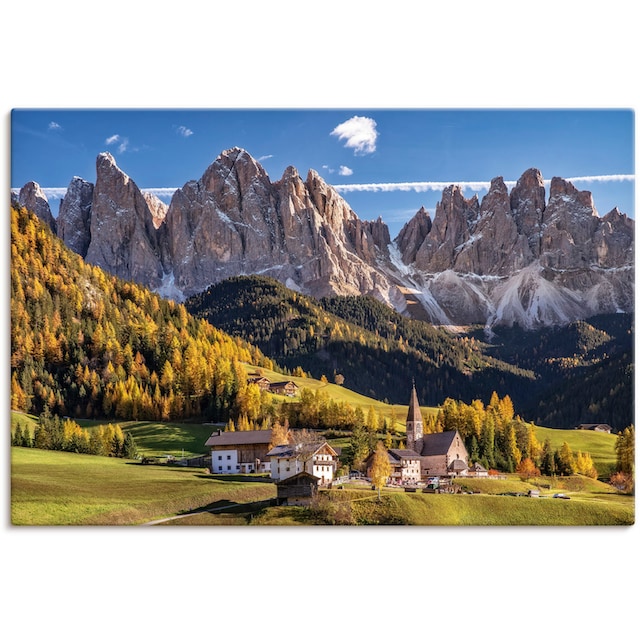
(601, 446)
(152, 438)
(418, 509)
(58, 488)
(506, 510)
(342, 394)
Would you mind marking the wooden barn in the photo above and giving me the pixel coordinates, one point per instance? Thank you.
(297, 490)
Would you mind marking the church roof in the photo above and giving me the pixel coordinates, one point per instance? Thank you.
(414, 414)
(437, 444)
(398, 454)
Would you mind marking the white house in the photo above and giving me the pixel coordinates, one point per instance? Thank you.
(317, 458)
(405, 466)
(240, 451)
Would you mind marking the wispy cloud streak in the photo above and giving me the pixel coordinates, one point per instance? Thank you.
(420, 187)
(167, 192)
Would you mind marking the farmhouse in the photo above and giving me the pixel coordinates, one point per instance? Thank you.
(405, 466)
(441, 454)
(263, 383)
(286, 388)
(239, 451)
(318, 459)
(605, 428)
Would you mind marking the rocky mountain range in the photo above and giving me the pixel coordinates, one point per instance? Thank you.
(513, 257)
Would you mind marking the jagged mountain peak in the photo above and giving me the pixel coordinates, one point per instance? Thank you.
(106, 157)
(513, 257)
(290, 173)
(33, 198)
(561, 189)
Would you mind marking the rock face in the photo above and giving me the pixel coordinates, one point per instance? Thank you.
(517, 258)
(74, 219)
(124, 240)
(234, 220)
(511, 258)
(32, 197)
(413, 235)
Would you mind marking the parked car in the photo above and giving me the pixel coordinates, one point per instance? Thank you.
(561, 496)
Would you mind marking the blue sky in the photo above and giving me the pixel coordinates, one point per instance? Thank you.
(379, 150)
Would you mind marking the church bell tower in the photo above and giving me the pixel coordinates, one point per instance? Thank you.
(414, 424)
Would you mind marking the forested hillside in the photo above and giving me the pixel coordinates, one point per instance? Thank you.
(86, 344)
(373, 349)
(557, 377)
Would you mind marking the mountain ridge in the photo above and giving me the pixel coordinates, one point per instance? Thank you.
(511, 258)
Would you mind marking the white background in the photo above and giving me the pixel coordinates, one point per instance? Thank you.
(492, 583)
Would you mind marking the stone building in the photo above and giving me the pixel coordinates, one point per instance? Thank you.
(441, 454)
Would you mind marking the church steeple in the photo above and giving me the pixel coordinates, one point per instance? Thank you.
(414, 423)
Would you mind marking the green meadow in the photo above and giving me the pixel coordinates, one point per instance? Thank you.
(57, 488)
(601, 446)
(151, 438)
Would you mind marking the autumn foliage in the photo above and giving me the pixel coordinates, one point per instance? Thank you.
(86, 344)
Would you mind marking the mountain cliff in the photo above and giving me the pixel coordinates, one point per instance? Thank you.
(512, 258)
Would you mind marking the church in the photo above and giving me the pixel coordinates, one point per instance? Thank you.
(440, 454)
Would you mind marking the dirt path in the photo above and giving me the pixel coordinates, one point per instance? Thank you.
(195, 513)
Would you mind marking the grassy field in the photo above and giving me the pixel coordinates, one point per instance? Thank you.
(152, 438)
(601, 446)
(418, 509)
(58, 488)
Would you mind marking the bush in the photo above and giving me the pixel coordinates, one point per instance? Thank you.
(328, 511)
(622, 482)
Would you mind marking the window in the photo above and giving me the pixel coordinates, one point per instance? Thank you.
(228, 457)
(229, 467)
(219, 457)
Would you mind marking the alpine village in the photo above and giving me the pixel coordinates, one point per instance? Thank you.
(253, 353)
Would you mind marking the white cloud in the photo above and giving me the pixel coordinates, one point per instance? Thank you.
(263, 158)
(611, 178)
(184, 132)
(472, 185)
(359, 133)
(123, 142)
(418, 187)
(167, 192)
(345, 171)
(54, 126)
(162, 192)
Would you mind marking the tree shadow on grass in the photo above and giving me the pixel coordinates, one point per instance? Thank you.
(233, 478)
(229, 506)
